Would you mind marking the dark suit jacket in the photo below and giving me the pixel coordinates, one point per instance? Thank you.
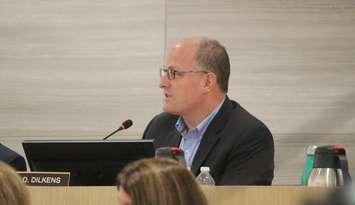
(12, 158)
(238, 148)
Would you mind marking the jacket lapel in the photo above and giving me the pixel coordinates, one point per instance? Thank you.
(212, 135)
(173, 139)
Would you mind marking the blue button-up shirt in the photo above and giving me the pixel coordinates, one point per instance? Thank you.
(191, 138)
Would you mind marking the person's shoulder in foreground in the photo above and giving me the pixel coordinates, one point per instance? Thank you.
(12, 158)
(12, 190)
(159, 181)
(237, 147)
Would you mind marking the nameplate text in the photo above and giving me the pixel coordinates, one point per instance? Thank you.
(45, 178)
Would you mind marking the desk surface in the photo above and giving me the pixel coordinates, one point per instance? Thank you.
(218, 195)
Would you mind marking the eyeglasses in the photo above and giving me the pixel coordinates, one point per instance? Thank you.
(171, 73)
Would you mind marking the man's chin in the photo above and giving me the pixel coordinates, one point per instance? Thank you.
(170, 110)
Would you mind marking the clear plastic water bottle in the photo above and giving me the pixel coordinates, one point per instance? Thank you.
(205, 178)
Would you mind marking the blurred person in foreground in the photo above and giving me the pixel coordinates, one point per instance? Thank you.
(199, 117)
(159, 181)
(12, 189)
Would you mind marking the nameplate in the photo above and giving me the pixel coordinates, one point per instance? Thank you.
(45, 178)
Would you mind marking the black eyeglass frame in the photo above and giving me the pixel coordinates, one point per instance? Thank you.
(171, 73)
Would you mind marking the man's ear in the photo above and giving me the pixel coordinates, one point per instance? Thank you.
(210, 81)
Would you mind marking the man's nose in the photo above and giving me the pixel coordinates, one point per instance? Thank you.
(164, 82)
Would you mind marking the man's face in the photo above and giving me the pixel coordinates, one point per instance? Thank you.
(183, 94)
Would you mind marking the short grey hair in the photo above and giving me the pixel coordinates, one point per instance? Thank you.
(212, 56)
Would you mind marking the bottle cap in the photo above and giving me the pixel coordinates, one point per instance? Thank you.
(311, 149)
(204, 169)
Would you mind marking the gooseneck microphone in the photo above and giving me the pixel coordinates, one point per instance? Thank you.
(126, 124)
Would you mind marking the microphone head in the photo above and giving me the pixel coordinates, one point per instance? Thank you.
(126, 124)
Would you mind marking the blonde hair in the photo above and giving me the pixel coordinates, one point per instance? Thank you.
(12, 189)
(160, 181)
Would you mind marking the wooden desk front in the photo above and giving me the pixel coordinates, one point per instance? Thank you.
(219, 195)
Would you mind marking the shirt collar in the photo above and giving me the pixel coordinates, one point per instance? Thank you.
(202, 126)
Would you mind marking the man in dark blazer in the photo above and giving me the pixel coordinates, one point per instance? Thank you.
(199, 117)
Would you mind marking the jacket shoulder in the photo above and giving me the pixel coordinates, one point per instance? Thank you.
(161, 123)
(244, 119)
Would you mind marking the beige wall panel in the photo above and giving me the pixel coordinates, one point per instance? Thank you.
(292, 64)
(77, 68)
